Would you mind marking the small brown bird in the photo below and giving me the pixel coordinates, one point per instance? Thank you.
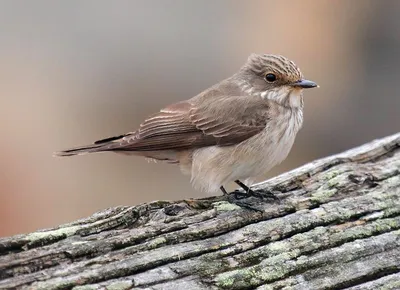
(236, 130)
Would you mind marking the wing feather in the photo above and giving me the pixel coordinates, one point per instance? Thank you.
(221, 121)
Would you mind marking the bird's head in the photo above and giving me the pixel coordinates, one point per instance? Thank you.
(274, 77)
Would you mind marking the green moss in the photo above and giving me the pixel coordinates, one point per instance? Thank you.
(157, 242)
(210, 265)
(323, 195)
(277, 247)
(391, 285)
(332, 174)
(53, 234)
(385, 225)
(86, 287)
(270, 269)
(225, 282)
(333, 182)
(333, 178)
(120, 285)
(225, 206)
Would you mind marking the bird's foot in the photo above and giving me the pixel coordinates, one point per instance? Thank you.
(238, 196)
(261, 194)
(224, 192)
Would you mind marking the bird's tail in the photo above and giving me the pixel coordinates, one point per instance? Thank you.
(81, 150)
(103, 145)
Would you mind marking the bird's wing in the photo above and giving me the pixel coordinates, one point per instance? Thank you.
(219, 121)
(224, 121)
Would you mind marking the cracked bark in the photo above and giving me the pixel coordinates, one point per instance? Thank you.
(337, 226)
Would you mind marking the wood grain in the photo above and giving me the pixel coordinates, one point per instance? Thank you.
(337, 226)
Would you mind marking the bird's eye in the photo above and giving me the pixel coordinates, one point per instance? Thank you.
(270, 77)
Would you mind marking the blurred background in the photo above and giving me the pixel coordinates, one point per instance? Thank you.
(76, 71)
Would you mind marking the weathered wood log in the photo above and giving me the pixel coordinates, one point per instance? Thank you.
(336, 226)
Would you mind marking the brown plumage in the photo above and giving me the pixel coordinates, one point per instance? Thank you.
(248, 118)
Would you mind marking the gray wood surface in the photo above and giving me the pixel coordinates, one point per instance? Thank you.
(337, 226)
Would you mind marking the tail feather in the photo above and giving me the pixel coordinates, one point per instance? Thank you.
(82, 150)
(107, 144)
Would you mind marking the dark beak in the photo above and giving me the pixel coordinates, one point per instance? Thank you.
(305, 84)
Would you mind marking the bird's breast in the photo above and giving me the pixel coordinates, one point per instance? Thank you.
(273, 144)
(214, 166)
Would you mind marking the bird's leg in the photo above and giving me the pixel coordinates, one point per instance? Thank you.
(256, 193)
(223, 190)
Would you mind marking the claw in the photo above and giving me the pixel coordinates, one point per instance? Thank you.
(256, 193)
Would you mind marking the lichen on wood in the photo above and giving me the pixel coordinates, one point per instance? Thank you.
(336, 226)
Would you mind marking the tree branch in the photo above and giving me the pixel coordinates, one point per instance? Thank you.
(337, 226)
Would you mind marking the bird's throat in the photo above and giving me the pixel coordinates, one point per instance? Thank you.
(287, 97)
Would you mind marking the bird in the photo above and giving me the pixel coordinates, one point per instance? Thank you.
(234, 131)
